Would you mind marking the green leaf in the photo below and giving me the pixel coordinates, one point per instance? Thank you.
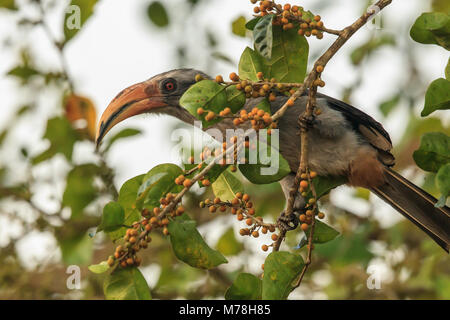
(437, 96)
(189, 246)
(443, 183)
(441, 5)
(235, 98)
(157, 183)
(113, 217)
(226, 186)
(259, 173)
(433, 152)
(77, 250)
(127, 199)
(125, 133)
(80, 190)
(99, 268)
(250, 64)
(62, 138)
(263, 37)
(324, 184)
(245, 287)
(238, 26)
(250, 25)
(205, 94)
(265, 106)
(322, 233)
(432, 28)
(8, 4)
(281, 268)
(288, 63)
(77, 13)
(387, 106)
(228, 245)
(289, 56)
(157, 14)
(126, 284)
(23, 72)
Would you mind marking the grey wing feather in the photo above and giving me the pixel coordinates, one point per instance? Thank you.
(368, 127)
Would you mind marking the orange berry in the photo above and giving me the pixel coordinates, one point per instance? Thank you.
(219, 79)
(210, 116)
(274, 237)
(187, 183)
(290, 102)
(234, 76)
(304, 226)
(153, 220)
(303, 184)
(264, 247)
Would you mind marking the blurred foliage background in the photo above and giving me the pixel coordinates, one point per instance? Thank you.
(52, 192)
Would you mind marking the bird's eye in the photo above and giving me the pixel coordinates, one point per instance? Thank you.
(169, 85)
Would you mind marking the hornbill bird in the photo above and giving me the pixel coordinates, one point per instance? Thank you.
(344, 142)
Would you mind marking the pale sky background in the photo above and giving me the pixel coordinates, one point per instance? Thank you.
(118, 47)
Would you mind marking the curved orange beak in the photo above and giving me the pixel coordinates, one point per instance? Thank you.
(139, 98)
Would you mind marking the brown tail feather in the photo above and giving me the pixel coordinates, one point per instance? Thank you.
(417, 206)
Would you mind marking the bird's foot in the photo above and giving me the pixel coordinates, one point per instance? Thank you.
(288, 222)
(307, 122)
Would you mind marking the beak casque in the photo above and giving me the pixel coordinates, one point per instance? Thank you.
(136, 99)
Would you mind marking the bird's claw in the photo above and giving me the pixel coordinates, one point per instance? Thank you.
(307, 121)
(288, 222)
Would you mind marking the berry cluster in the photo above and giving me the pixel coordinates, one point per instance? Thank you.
(137, 237)
(311, 27)
(243, 209)
(290, 17)
(264, 87)
(311, 205)
(266, 7)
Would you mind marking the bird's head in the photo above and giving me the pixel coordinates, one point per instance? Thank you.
(159, 94)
